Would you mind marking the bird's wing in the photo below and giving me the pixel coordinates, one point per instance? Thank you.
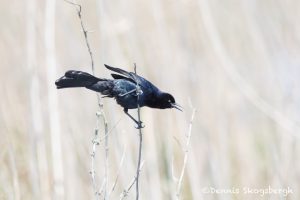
(118, 76)
(146, 86)
(129, 75)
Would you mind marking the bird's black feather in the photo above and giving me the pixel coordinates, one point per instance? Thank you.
(122, 88)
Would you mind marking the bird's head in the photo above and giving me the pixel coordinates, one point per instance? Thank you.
(168, 101)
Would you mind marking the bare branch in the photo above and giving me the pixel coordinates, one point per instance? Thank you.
(95, 142)
(84, 32)
(138, 92)
(188, 138)
(99, 114)
(118, 173)
(133, 181)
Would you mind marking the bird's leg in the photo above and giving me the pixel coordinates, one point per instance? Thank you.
(139, 123)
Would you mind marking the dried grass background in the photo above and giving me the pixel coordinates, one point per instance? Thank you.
(237, 62)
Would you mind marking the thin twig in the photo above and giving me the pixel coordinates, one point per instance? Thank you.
(188, 138)
(178, 142)
(84, 32)
(104, 183)
(138, 92)
(101, 190)
(118, 173)
(106, 156)
(131, 91)
(99, 114)
(172, 171)
(133, 181)
(110, 130)
(95, 142)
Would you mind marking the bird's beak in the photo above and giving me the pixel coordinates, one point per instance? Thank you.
(178, 107)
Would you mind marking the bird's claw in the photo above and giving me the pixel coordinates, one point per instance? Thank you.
(139, 125)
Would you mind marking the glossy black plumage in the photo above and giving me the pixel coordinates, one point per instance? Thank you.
(122, 88)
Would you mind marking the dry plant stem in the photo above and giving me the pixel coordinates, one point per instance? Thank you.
(95, 142)
(188, 138)
(85, 33)
(99, 114)
(175, 179)
(139, 158)
(118, 173)
(106, 153)
(133, 181)
(138, 92)
(14, 170)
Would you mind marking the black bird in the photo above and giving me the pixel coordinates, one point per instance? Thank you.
(122, 88)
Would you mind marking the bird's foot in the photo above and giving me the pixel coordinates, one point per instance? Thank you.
(139, 125)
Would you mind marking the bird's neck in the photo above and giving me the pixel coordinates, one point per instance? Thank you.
(154, 100)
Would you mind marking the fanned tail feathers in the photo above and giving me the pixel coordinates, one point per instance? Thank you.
(74, 78)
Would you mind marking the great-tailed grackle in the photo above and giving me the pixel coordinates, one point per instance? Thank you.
(122, 88)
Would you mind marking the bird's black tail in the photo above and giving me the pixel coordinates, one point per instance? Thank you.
(76, 79)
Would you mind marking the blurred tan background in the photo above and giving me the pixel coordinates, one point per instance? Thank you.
(236, 62)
